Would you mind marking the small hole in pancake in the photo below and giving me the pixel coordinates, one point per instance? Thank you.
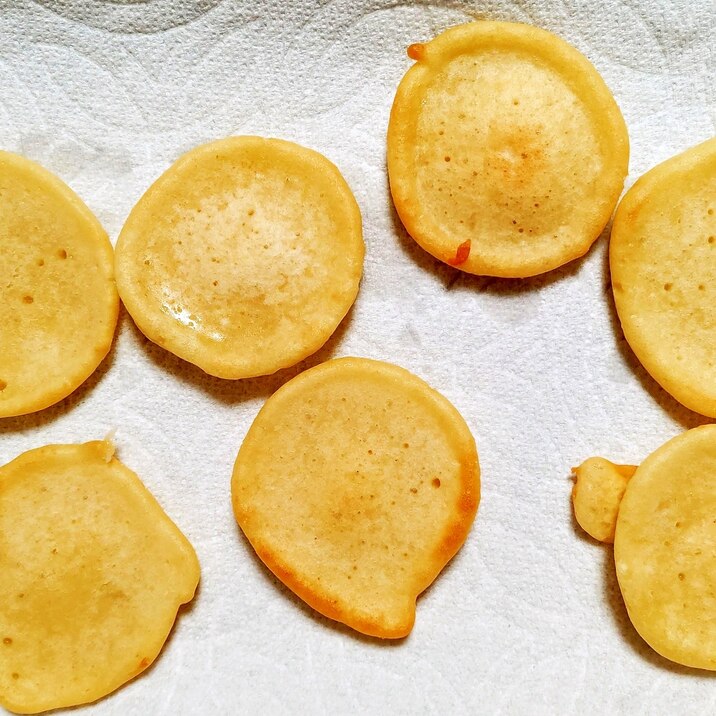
(668, 286)
(712, 239)
(370, 452)
(7, 641)
(522, 231)
(40, 262)
(414, 490)
(710, 212)
(147, 262)
(447, 159)
(515, 102)
(702, 287)
(62, 254)
(3, 385)
(251, 212)
(406, 445)
(536, 206)
(15, 675)
(28, 299)
(677, 524)
(436, 482)
(681, 576)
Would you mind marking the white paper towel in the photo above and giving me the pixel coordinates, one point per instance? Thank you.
(528, 617)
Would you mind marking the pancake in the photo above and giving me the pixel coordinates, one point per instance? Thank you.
(507, 152)
(92, 572)
(243, 257)
(662, 256)
(58, 300)
(665, 549)
(356, 484)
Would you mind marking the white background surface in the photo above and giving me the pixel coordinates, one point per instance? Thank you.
(528, 617)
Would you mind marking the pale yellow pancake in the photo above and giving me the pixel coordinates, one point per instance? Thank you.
(662, 255)
(507, 152)
(665, 549)
(243, 257)
(356, 484)
(92, 572)
(597, 494)
(58, 301)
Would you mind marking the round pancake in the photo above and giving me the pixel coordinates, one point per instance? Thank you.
(662, 256)
(243, 257)
(58, 301)
(506, 150)
(92, 572)
(665, 548)
(356, 484)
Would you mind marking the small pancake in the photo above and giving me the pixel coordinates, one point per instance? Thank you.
(92, 572)
(243, 257)
(58, 301)
(506, 150)
(665, 549)
(356, 484)
(662, 255)
(597, 494)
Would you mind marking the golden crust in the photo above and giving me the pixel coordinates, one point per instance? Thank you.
(506, 150)
(662, 255)
(355, 485)
(243, 257)
(665, 549)
(58, 301)
(92, 573)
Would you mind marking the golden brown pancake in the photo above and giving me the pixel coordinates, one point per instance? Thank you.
(507, 152)
(356, 484)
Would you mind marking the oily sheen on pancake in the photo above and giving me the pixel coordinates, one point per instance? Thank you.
(92, 572)
(243, 257)
(356, 484)
(58, 300)
(507, 152)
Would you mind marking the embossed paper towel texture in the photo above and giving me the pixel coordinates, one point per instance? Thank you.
(527, 619)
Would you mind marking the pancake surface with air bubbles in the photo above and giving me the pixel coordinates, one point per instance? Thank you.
(58, 300)
(506, 150)
(662, 256)
(356, 484)
(243, 257)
